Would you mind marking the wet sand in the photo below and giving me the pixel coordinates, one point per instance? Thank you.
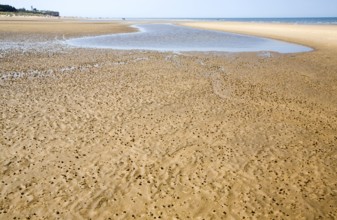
(101, 134)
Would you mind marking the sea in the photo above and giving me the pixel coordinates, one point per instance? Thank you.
(308, 20)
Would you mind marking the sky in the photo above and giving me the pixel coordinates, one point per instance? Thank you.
(183, 8)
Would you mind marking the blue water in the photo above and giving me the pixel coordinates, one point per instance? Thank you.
(167, 37)
(309, 20)
(286, 20)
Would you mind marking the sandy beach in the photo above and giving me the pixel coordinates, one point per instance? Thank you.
(104, 134)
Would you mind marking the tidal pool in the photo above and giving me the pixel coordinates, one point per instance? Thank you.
(169, 37)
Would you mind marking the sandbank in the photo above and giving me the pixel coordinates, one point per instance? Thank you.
(317, 36)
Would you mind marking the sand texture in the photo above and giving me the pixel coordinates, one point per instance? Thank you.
(103, 134)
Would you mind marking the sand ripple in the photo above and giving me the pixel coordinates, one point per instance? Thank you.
(123, 135)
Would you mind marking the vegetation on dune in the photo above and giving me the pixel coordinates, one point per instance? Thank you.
(7, 8)
(10, 10)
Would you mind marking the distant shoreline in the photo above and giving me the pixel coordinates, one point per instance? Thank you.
(299, 21)
(24, 14)
(9, 10)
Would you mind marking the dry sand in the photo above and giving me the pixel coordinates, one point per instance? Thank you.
(52, 27)
(317, 36)
(103, 134)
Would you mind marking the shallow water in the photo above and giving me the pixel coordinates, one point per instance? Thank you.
(167, 37)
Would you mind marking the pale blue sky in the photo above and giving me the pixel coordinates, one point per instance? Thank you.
(184, 8)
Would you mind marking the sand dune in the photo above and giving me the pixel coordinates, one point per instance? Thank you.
(103, 134)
